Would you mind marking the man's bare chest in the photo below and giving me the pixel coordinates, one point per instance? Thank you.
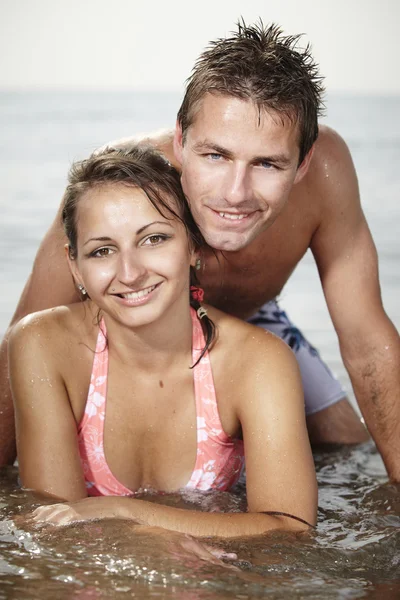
(241, 282)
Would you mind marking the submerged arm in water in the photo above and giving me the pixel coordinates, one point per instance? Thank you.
(176, 519)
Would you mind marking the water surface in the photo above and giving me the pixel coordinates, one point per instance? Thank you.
(354, 552)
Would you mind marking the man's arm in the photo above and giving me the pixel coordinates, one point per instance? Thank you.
(348, 266)
(49, 284)
(161, 140)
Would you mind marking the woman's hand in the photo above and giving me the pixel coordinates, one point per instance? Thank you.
(82, 510)
(104, 508)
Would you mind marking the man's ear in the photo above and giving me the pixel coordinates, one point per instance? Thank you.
(304, 166)
(178, 142)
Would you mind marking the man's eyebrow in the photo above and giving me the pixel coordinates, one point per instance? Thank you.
(138, 232)
(279, 159)
(211, 147)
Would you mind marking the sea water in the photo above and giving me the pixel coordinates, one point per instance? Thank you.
(355, 551)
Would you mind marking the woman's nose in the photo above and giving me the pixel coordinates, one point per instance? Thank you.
(131, 270)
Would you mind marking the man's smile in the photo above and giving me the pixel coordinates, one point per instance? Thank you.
(234, 219)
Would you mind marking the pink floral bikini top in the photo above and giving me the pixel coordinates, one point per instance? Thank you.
(219, 459)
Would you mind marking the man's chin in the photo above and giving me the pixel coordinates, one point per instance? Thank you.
(228, 242)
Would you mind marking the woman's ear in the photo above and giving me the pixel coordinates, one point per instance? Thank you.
(195, 260)
(73, 267)
(178, 143)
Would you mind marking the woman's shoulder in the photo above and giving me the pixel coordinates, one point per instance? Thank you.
(248, 344)
(46, 327)
(252, 366)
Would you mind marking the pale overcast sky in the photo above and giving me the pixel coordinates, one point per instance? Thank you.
(153, 44)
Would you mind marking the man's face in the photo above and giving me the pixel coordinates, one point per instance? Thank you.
(238, 167)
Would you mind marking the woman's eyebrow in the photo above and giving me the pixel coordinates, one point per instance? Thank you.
(105, 238)
(98, 239)
(153, 223)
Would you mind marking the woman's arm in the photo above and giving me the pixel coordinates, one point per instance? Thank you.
(200, 524)
(46, 430)
(279, 464)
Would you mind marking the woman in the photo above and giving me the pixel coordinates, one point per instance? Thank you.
(178, 393)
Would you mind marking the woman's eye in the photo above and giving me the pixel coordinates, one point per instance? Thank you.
(101, 252)
(154, 240)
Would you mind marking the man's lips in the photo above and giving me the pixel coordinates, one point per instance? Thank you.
(233, 217)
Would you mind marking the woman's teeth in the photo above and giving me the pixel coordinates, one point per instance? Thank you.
(139, 294)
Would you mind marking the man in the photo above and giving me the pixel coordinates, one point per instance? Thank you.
(263, 190)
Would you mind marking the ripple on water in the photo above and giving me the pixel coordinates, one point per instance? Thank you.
(353, 554)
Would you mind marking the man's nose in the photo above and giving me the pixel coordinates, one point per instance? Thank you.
(236, 185)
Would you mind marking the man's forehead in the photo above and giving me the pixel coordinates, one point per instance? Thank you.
(224, 123)
(211, 106)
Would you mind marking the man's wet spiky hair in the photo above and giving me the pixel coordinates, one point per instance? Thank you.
(260, 64)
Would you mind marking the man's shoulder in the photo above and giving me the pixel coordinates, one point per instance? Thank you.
(331, 152)
(328, 133)
(331, 178)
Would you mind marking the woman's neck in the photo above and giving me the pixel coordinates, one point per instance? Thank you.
(157, 345)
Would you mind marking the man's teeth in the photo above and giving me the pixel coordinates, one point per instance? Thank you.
(231, 216)
(140, 294)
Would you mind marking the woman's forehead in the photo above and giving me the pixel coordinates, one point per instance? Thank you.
(130, 196)
(116, 204)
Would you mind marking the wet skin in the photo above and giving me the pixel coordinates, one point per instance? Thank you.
(244, 162)
(244, 165)
(231, 166)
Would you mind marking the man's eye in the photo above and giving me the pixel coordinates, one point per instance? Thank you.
(265, 164)
(214, 156)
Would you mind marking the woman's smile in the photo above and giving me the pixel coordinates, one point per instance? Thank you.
(129, 255)
(135, 298)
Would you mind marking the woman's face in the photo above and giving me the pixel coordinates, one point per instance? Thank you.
(133, 262)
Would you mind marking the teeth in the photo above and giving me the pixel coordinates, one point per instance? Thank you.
(231, 216)
(140, 294)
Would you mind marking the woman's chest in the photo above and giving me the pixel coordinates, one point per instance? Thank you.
(146, 428)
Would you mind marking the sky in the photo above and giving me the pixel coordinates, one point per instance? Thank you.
(152, 45)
